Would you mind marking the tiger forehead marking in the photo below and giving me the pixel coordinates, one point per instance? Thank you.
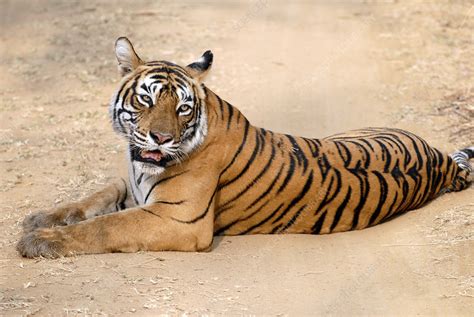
(153, 80)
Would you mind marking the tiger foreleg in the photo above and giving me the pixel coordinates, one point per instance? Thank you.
(128, 231)
(110, 199)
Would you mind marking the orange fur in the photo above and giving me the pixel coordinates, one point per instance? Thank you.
(237, 179)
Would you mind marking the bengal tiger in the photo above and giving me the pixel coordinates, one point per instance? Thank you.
(198, 168)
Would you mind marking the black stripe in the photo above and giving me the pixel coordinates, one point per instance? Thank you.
(382, 198)
(364, 186)
(149, 211)
(139, 137)
(247, 166)
(341, 208)
(429, 174)
(263, 221)
(328, 198)
(346, 156)
(159, 77)
(182, 84)
(293, 219)
(229, 225)
(367, 142)
(239, 150)
(221, 210)
(161, 181)
(239, 115)
(255, 180)
(405, 200)
(390, 140)
(313, 146)
(275, 229)
(265, 193)
(301, 158)
(202, 215)
(231, 113)
(297, 199)
(263, 140)
(392, 207)
(289, 174)
(169, 202)
(396, 173)
(324, 167)
(139, 180)
(221, 106)
(316, 229)
(131, 185)
(126, 89)
(146, 88)
(413, 139)
(404, 150)
(134, 197)
(167, 70)
(439, 179)
(413, 174)
(366, 152)
(386, 155)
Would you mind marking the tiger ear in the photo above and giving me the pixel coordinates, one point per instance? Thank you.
(127, 58)
(200, 68)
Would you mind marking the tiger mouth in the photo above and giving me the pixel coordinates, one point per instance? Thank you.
(155, 157)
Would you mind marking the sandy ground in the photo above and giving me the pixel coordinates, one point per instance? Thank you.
(308, 68)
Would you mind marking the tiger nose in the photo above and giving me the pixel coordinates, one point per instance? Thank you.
(160, 138)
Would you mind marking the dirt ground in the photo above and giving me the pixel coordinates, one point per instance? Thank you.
(310, 68)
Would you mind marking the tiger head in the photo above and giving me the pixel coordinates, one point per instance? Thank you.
(159, 107)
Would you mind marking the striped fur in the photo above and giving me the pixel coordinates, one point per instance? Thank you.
(217, 174)
(462, 157)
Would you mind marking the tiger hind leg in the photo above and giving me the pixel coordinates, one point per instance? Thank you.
(464, 176)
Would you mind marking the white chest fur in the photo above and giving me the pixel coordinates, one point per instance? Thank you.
(142, 181)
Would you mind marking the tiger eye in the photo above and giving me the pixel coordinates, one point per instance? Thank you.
(184, 108)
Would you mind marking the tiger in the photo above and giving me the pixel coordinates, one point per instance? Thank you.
(198, 169)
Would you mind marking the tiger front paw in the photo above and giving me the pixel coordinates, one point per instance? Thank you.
(48, 243)
(60, 217)
(38, 220)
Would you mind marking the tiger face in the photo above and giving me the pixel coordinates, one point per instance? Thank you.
(159, 108)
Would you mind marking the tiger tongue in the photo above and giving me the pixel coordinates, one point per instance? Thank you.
(154, 155)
